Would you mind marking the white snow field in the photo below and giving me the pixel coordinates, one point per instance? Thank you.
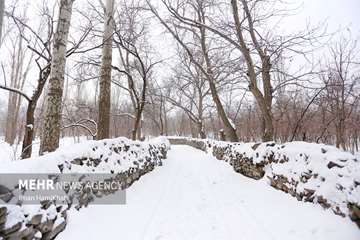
(194, 196)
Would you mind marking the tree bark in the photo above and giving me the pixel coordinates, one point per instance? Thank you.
(105, 74)
(13, 103)
(30, 113)
(2, 6)
(135, 130)
(231, 131)
(51, 126)
(202, 133)
(264, 101)
(29, 131)
(229, 128)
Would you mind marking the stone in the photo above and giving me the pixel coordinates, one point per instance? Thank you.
(36, 219)
(59, 208)
(2, 223)
(332, 164)
(64, 214)
(255, 146)
(46, 226)
(35, 229)
(61, 167)
(28, 233)
(45, 204)
(3, 211)
(323, 202)
(354, 211)
(5, 193)
(12, 229)
(58, 229)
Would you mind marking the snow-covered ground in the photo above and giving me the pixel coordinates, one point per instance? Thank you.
(194, 196)
(132, 159)
(12, 153)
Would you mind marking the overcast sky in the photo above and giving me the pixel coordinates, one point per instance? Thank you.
(339, 13)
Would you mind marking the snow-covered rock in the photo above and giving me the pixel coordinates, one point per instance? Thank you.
(124, 159)
(310, 172)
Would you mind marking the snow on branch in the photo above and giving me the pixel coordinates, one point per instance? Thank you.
(81, 123)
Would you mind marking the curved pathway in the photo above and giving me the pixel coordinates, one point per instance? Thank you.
(193, 196)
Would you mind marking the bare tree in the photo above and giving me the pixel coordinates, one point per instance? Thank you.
(341, 81)
(189, 92)
(51, 129)
(17, 82)
(2, 6)
(41, 48)
(158, 110)
(260, 49)
(105, 73)
(135, 56)
(40, 45)
(207, 68)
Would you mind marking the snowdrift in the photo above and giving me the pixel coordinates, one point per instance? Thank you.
(311, 172)
(127, 160)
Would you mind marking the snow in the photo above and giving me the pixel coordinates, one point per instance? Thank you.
(48, 163)
(14, 215)
(194, 196)
(119, 154)
(38, 235)
(332, 174)
(336, 184)
(7, 153)
(12, 153)
(232, 123)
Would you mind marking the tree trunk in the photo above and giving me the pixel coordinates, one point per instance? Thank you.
(213, 127)
(51, 126)
(191, 127)
(161, 121)
(30, 113)
(264, 101)
(165, 121)
(136, 124)
(340, 132)
(2, 6)
(202, 133)
(29, 131)
(356, 139)
(105, 75)
(230, 130)
(13, 104)
(139, 131)
(268, 133)
(10, 119)
(222, 136)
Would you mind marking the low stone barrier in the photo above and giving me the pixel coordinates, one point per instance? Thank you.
(127, 160)
(309, 172)
(224, 151)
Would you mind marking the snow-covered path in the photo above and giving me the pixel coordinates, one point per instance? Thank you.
(193, 196)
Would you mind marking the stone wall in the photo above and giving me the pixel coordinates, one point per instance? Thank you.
(225, 151)
(50, 217)
(306, 171)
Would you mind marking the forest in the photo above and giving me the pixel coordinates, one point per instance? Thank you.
(226, 70)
